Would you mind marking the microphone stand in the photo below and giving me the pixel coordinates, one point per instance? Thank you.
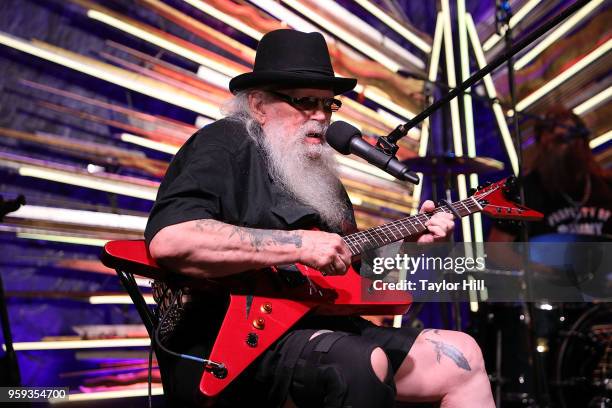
(442, 85)
(388, 143)
(474, 95)
(13, 378)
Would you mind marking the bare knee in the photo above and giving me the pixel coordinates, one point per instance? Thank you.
(472, 351)
(469, 361)
(380, 363)
(457, 351)
(473, 376)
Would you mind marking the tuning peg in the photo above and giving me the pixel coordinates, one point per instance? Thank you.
(511, 184)
(484, 185)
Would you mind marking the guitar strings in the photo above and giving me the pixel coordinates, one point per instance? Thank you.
(355, 243)
(357, 240)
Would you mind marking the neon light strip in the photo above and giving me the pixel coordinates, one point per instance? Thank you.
(491, 93)
(202, 30)
(285, 15)
(82, 180)
(561, 30)
(378, 97)
(601, 139)
(565, 75)
(366, 168)
(80, 217)
(151, 144)
(376, 120)
(79, 344)
(433, 75)
(413, 133)
(346, 36)
(593, 101)
(452, 80)
(373, 203)
(351, 20)
(118, 300)
(145, 282)
(114, 75)
(163, 43)
(355, 200)
(227, 19)
(396, 26)
(470, 137)
(465, 73)
(454, 105)
(63, 238)
(514, 20)
(104, 395)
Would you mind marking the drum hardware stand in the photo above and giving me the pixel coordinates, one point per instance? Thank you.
(12, 378)
(449, 318)
(473, 94)
(502, 17)
(498, 366)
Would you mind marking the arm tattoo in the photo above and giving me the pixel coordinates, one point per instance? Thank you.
(261, 238)
(452, 352)
(258, 238)
(201, 225)
(436, 331)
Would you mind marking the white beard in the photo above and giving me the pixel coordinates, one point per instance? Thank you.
(306, 171)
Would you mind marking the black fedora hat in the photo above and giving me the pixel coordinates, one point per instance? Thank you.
(292, 59)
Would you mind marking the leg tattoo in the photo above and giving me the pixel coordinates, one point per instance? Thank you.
(452, 352)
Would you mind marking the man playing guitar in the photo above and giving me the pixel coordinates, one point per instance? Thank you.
(244, 193)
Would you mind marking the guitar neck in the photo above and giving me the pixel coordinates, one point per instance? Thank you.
(382, 235)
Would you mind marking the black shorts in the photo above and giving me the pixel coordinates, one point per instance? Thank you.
(266, 382)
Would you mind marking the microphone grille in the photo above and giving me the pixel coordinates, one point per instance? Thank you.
(339, 135)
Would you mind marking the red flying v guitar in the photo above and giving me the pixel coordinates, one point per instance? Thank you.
(264, 305)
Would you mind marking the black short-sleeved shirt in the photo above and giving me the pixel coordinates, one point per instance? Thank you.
(594, 217)
(221, 173)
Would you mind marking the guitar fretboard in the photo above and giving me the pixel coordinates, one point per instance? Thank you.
(382, 235)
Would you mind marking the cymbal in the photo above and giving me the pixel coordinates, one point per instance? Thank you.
(447, 164)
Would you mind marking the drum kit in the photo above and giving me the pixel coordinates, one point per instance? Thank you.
(539, 354)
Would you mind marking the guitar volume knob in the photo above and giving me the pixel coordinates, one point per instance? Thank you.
(259, 323)
(266, 308)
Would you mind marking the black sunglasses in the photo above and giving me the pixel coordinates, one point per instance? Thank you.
(310, 103)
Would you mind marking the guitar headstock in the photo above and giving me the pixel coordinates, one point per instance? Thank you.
(498, 200)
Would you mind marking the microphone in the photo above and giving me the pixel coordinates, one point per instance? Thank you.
(346, 139)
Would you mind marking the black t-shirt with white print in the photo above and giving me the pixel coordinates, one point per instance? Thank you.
(564, 214)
